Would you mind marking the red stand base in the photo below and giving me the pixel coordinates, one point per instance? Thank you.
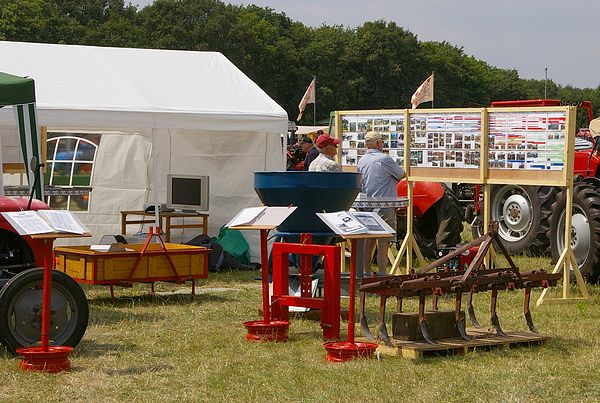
(342, 351)
(55, 359)
(259, 330)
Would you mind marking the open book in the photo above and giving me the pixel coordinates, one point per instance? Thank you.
(261, 216)
(356, 222)
(30, 222)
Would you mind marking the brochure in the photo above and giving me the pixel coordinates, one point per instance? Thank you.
(30, 222)
(356, 222)
(261, 216)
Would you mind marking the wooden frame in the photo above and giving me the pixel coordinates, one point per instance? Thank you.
(559, 173)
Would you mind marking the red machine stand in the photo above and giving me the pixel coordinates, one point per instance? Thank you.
(265, 329)
(329, 304)
(342, 351)
(50, 359)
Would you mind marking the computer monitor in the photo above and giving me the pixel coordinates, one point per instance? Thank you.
(187, 192)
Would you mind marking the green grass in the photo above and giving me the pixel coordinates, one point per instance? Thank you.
(170, 347)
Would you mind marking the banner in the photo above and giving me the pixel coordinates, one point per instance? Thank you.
(424, 93)
(308, 98)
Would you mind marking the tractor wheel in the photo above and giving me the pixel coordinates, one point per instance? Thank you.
(21, 310)
(585, 229)
(522, 214)
(441, 225)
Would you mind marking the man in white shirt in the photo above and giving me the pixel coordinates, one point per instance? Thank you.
(325, 162)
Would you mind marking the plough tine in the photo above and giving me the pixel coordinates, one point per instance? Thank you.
(383, 333)
(460, 325)
(399, 304)
(494, 318)
(363, 317)
(471, 311)
(423, 321)
(527, 311)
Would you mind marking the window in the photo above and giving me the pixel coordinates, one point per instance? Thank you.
(69, 169)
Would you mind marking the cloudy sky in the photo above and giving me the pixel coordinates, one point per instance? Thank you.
(527, 35)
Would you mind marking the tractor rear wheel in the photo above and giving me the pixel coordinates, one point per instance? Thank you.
(585, 229)
(522, 214)
(441, 225)
(21, 310)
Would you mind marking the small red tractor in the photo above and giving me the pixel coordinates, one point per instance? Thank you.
(21, 280)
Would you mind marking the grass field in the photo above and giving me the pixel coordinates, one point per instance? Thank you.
(170, 347)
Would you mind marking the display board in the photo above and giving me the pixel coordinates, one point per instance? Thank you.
(483, 145)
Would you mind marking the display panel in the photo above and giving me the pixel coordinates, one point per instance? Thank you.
(187, 192)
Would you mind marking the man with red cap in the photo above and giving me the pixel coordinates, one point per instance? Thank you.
(325, 162)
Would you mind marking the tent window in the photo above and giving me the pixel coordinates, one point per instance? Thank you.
(69, 165)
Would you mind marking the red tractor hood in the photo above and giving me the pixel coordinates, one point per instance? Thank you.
(20, 203)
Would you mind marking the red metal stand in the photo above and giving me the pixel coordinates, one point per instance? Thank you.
(266, 329)
(44, 357)
(329, 304)
(341, 351)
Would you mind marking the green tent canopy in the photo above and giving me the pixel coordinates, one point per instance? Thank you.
(20, 93)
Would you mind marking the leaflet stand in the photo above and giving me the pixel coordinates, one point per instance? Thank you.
(45, 357)
(341, 351)
(263, 219)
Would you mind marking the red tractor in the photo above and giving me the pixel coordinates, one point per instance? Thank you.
(21, 279)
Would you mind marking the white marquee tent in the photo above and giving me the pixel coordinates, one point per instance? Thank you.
(205, 115)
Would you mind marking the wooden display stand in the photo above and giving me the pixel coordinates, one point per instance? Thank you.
(135, 263)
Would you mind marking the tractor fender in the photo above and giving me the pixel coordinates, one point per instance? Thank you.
(425, 194)
(592, 181)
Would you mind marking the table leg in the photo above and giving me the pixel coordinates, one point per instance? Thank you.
(353, 249)
(168, 229)
(46, 294)
(264, 262)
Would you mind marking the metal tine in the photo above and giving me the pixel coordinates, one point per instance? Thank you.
(383, 333)
(364, 325)
(471, 311)
(527, 311)
(494, 315)
(422, 322)
(458, 318)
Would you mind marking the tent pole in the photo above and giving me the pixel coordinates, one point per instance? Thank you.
(155, 177)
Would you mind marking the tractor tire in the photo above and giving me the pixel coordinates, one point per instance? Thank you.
(21, 310)
(441, 225)
(585, 229)
(522, 213)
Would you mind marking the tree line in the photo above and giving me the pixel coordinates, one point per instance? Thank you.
(376, 65)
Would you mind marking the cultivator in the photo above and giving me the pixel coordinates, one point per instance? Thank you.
(475, 278)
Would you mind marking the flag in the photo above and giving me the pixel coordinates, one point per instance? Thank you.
(308, 98)
(424, 93)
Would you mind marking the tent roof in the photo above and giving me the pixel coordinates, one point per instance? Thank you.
(16, 90)
(88, 86)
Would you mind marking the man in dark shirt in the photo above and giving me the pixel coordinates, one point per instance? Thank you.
(311, 152)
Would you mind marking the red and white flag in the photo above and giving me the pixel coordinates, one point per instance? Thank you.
(308, 98)
(424, 93)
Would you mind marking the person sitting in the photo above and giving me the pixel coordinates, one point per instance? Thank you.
(311, 152)
(325, 162)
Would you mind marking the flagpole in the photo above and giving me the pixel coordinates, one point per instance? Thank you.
(433, 88)
(315, 103)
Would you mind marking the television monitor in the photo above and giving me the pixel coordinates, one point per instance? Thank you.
(187, 192)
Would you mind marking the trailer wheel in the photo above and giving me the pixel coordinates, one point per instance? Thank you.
(585, 229)
(522, 214)
(441, 225)
(21, 310)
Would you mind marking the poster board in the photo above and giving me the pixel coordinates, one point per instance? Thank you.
(470, 145)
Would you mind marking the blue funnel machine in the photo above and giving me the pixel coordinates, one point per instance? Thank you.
(311, 192)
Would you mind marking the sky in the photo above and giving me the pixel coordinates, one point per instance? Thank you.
(527, 35)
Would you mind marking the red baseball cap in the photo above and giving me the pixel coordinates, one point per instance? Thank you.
(325, 140)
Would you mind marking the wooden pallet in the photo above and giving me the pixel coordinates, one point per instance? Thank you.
(483, 339)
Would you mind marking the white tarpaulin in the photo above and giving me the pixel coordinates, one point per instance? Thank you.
(209, 118)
